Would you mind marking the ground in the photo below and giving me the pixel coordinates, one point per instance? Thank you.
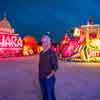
(74, 81)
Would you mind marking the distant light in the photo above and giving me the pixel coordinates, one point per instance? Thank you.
(76, 32)
(48, 33)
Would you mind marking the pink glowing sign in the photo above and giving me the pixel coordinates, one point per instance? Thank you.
(72, 47)
(10, 43)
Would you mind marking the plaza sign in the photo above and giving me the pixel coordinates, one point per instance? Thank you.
(10, 43)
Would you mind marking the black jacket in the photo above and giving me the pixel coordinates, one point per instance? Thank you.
(47, 62)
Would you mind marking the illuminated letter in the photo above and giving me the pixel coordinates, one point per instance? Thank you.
(19, 42)
(13, 41)
(7, 41)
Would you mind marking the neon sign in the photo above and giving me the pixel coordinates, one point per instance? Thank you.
(10, 41)
(93, 53)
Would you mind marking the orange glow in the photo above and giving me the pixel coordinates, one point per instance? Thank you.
(29, 40)
(27, 50)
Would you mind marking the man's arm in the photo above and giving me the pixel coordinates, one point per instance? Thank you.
(54, 64)
(54, 61)
(51, 74)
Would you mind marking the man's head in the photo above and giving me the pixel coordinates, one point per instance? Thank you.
(46, 42)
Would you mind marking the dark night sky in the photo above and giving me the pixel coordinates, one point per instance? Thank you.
(31, 17)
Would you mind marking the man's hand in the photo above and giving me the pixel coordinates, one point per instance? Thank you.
(51, 74)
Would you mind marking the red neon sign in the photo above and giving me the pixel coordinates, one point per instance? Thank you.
(10, 43)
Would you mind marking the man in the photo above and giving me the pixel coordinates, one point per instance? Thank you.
(48, 65)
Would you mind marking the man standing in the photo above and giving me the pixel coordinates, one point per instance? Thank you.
(48, 65)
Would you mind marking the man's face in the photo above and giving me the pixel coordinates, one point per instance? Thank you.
(45, 43)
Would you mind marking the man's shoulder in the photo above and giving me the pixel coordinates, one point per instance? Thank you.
(51, 51)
